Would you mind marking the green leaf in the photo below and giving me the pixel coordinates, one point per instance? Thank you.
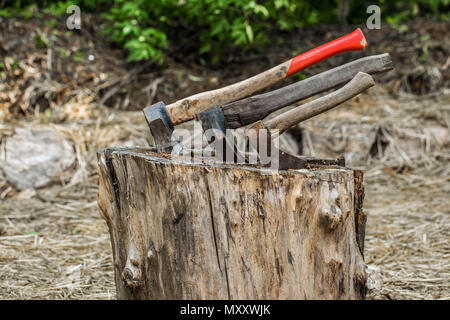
(219, 27)
(425, 37)
(78, 56)
(6, 13)
(126, 30)
(249, 31)
(133, 44)
(206, 47)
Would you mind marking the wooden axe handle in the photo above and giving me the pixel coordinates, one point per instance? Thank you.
(249, 110)
(358, 84)
(186, 109)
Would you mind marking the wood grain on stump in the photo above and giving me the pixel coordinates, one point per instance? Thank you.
(211, 231)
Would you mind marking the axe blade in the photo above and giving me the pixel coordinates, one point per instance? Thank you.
(288, 161)
(212, 119)
(283, 160)
(160, 126)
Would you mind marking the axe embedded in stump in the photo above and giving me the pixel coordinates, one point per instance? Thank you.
(246, 111)
(161, 118)
(249, 110)
(276, 126)
(358, 84)
(261, 133)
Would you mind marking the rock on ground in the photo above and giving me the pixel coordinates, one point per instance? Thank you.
(33, 158)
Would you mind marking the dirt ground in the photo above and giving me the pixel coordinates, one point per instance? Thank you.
(53, 241)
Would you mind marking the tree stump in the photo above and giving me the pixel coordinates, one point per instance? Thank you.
(215, 231)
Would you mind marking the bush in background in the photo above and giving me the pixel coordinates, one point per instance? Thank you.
(148, 28)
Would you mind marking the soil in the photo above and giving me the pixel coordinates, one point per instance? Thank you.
(54, 243)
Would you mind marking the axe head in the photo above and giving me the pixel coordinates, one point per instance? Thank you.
(283, 160)
(212, 119)
(161, 127)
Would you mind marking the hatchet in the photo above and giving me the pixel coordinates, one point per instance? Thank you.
(249, 110)
(161, 119)
(276, 126)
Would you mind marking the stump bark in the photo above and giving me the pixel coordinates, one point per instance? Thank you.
(210, 231)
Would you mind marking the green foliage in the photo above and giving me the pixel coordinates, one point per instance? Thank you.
(149, 28)
(240, 23)
(41, 40)
(6, 13)
(62, 53)
(59, 8)
(52, 23)
(397, 11)
(30, 12)
(131, 26)
(78, 56)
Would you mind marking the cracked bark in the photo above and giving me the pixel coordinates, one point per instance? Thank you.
(184, 231)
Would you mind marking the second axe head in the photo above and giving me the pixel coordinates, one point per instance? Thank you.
(161, 118)
(360, 82)
(279, 124)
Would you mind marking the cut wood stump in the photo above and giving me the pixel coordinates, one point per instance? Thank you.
(215, 231)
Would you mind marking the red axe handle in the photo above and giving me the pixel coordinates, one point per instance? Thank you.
(354, 41)
(186, 109)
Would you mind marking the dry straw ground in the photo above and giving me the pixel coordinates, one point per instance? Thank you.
(55, 245)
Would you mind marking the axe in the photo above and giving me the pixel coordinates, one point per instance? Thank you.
(249, 110)
(276, 126)
(161, 119)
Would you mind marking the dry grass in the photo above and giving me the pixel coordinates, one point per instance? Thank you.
(407, 198)
(53, 241)
(57, 248)
(55, 245)
(407, 236)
